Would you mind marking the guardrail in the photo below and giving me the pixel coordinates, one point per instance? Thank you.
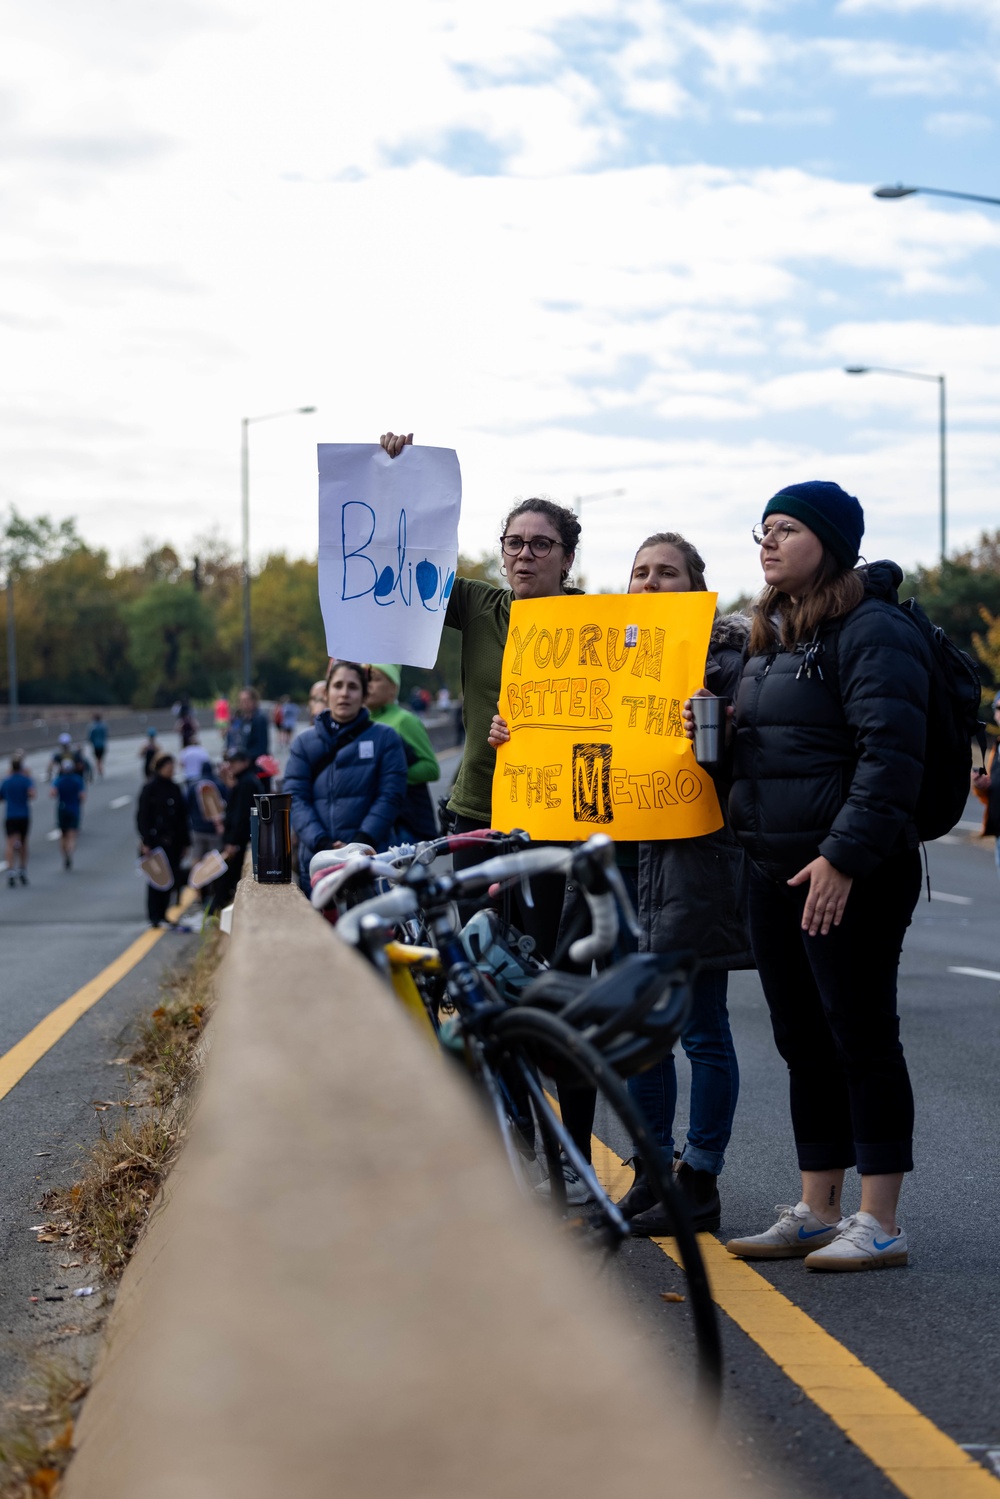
(342, 1292)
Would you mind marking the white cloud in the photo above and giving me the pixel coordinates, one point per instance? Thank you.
(956, 125)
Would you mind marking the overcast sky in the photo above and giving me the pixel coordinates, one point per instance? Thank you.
(591, 245)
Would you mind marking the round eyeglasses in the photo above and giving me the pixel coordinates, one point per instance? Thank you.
(781, 531)
(538, 546)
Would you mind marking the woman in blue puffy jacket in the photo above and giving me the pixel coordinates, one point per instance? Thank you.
(346, 775)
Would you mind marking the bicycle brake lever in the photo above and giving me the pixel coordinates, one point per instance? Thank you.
(526, 892)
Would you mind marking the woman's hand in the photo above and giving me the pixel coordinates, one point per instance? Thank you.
(144, 849)
(499, 732)
(980, 780)
(687, 713)
(827, 898)
(394, 442)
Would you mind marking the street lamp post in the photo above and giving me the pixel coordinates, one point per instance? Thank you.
(245, 423)
(899, 191)
(866, 369)
(11, 646)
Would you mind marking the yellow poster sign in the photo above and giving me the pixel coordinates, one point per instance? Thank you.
(591, 689)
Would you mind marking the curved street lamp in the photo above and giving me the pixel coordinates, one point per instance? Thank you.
(877, 369)
(899, 191)
(245, 423)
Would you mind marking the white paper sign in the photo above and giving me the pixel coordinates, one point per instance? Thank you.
(388, 546)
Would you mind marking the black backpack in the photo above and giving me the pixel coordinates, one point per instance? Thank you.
(952, 724)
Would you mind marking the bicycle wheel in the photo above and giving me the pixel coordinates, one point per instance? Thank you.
(530, 1041)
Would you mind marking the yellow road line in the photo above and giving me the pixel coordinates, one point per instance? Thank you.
(908, 1448)
(15, 1063)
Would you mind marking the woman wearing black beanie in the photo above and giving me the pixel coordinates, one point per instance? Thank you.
(830, 723)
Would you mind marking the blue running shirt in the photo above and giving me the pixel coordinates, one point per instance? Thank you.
(14, 791)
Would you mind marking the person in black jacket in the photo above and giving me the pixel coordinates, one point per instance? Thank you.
(162, 822)
(830, 723)
(243, 785)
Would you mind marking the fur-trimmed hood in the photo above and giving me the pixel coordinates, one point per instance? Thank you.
(731, 632)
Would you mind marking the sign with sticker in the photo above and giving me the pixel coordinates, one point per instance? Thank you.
(388, 548)
(592, 688)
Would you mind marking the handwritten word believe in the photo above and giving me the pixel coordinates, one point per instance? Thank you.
(362, 577)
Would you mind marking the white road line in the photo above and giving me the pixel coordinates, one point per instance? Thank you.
(976, 973)
(954, 900)
(948, 838)
(119, 801)
(55, 833)
(970, 827)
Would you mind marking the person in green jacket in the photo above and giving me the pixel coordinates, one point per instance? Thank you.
(416, 820)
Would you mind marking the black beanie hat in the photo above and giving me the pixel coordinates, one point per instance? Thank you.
(836, 516)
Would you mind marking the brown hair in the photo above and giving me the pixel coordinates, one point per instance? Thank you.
(564, 520)
(836, 591)
(360, 671)
(692, 557)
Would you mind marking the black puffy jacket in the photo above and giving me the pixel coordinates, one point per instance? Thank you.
(692, 891)
(830, 740)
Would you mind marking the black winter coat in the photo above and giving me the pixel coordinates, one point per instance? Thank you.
(692, 891)
(161, 817)
(830, 740)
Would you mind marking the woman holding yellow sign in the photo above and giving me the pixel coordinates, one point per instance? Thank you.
(687, 894)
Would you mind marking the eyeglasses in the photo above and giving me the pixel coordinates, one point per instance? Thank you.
(780, 531)
(538, 546)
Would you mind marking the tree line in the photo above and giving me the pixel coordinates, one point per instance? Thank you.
(170, 624)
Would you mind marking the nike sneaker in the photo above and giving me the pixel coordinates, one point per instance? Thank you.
(797, 1232)
(861, 1244)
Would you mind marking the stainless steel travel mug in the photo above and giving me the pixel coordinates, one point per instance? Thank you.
(710, 720)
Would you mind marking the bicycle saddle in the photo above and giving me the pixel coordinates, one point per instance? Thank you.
(633, 1013)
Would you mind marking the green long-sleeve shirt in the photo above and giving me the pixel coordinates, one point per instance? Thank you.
(409, 728)
(482, 612)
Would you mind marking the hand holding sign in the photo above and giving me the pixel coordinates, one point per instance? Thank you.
(591, 692)
(388, 548)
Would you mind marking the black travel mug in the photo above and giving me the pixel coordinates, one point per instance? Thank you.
(273, 863)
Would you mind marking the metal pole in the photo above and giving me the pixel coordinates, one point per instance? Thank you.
(11, 649)
(944, 481)
(245, 478)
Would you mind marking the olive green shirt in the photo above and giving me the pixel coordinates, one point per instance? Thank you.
(482, 612)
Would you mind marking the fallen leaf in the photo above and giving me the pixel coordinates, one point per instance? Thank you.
(70, 1264)
(671, 1296)
(43, 1481)
(69, 1331)
(101, 1108)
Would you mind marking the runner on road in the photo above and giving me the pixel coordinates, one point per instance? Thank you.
(17, 791)
(69, 790)
(98, 737)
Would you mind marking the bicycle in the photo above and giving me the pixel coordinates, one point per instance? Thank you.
(563, 1027)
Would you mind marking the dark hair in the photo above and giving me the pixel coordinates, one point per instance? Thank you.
(836, 591)
(252, 691)
(164, 758)
(692, 557)
(563, 519)
(17, 760)
(360, 671)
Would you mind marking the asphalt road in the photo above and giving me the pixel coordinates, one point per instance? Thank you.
(56, 935)
(932, 1330)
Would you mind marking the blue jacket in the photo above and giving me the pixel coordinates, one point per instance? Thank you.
(356, 796)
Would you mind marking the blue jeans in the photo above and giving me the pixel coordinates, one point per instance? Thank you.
(715, 1080)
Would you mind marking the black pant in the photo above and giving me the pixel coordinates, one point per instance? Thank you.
(833, 1012)
(158, 902)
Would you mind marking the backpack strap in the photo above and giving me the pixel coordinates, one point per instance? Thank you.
(344, 738)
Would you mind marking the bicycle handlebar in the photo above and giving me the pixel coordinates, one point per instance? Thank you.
(396, 904)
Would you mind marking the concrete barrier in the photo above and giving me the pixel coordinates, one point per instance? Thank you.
(342, 1293)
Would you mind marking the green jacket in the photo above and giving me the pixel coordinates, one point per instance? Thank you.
(482, 612)
(424, 767)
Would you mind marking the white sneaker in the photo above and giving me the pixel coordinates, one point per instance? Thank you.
(861, 1244)
(797, 1232)
(577, 1191)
